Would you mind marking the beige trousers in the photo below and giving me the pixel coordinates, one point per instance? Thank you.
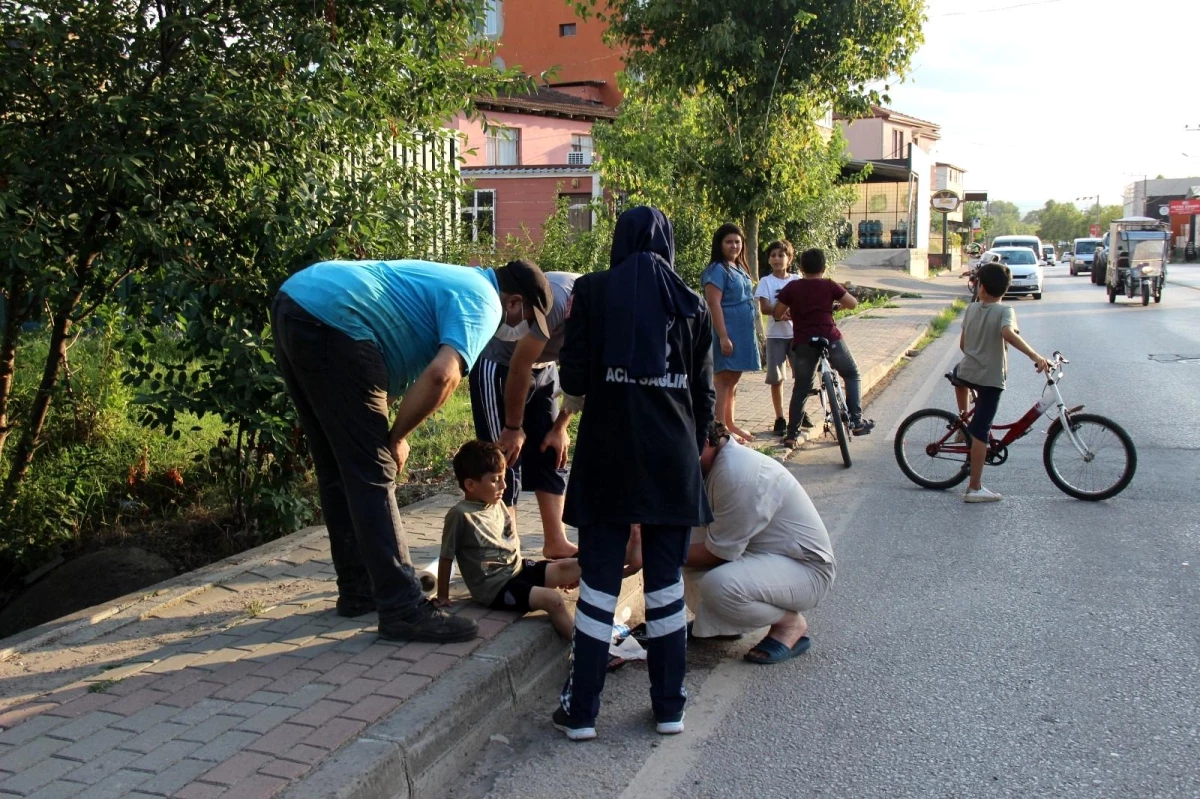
(752, 592)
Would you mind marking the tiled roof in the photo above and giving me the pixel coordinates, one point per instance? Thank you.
(547, 102)
(880, 112)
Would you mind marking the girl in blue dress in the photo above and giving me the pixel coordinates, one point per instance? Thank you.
(729, 291)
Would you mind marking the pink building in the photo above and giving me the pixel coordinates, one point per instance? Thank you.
(535, 150)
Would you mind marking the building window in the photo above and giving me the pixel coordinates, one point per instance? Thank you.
(897, 144)
(479, 215)
(579, 211)
(490, 24)
(581, 150)
(567, 29)
(503, 146)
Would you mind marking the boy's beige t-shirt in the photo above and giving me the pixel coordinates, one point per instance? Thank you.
(482, 539)
(985, 353)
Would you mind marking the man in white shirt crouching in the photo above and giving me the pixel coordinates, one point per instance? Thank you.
(765, 559)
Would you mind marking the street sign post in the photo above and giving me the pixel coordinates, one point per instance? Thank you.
(945, 202)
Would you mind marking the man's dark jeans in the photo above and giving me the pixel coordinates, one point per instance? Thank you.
(339, 386)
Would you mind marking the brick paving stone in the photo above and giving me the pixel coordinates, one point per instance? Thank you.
(23, 713)
(203, 709)
(320, 713)
(267, 719)
(172, 663)
(293, 680)
(243, 688)
(356, 690)
(165, 756)
(27, 754)
(85, 726)
(503, 615)
(260, 786)
(266, 697)
(59, 789)
(304, 753)
(64, 694)
(199, 790)
(334, 733)
(178, 680)
(93, 771)
(84, 704)
(414, 650)
(372, 655)
(32, 728)
(387, 671)
(136, 701)
(225, 746)
(461, 649)
(276, 667)
(145, 719)
(132, 684)
(307, 695)
(372, 708)
(269, 650)
(99, 743)
(473, 611)
(287, 769)
(256, 636)
(328, 660)
(405, 686)
(116, 785)
(286, 624)
(244, 709)
(175, 776)
(432, 665)
(489, 627)
(228, 675)
(29, 780)
(220, 654)
(155, 737)
(192, 694)
(280, 739)
(237, 768)
(210, 728)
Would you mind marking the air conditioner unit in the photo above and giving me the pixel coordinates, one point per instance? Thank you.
(579, 158)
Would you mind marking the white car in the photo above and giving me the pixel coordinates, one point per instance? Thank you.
(1027, 274)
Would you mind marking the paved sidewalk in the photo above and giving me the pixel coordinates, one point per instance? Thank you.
(239, 680)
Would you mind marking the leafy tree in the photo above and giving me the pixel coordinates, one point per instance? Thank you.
(1061, 222)
(1006, 219)
(760, 76)
(206, 149)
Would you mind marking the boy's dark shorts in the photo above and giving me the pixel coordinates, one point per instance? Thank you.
(987, 401)
(515, 593)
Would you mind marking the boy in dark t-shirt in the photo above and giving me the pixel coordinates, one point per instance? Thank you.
(810, 301)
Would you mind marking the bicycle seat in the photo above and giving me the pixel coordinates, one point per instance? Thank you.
(954, 379)
(819, 343)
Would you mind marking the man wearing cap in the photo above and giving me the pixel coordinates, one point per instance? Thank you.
(351, 335)
(514, 399)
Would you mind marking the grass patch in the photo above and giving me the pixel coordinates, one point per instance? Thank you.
(101, 686)
(873, 304)
(939, 323)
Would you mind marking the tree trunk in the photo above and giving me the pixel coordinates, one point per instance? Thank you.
(41, 402)
(8, 354)
(751, 231)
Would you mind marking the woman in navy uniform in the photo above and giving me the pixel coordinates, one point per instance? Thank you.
(638, 350)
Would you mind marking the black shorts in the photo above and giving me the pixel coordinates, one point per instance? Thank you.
(987, 401)
(534, 470)
(515, 593)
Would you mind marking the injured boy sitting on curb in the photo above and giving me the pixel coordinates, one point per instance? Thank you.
(479, 533)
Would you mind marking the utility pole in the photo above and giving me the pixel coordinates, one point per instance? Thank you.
(1097, 199)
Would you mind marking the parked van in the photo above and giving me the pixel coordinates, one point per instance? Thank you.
(1032, 242)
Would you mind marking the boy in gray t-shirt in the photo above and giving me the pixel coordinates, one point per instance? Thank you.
(479, 534)
(989, 326)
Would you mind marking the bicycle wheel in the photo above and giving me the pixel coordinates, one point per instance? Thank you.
(839, 424)
(1108, 469)
(920, 457)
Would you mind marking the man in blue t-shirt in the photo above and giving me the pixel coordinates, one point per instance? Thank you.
(350, 336)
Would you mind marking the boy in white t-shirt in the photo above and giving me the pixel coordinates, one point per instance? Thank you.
(779, 332)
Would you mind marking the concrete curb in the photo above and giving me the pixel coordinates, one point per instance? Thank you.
(86, 625)
(420, 748)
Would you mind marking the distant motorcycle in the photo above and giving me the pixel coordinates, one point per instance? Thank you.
(972, 276)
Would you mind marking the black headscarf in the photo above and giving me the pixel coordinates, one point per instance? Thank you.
(644, 293)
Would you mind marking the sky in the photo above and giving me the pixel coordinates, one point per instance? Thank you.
(1059, 99)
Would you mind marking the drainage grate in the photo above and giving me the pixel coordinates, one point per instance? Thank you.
(1166, 358)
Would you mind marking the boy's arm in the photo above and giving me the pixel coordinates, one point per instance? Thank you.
(847, 302)
(443, 582)
(962, 340)
(1014, 338)
(764, 305)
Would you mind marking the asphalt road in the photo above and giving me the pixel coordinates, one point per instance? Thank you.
(1039, 647)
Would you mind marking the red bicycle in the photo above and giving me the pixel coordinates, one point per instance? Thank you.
(1087, 456)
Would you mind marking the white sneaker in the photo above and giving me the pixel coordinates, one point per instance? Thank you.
(983, 494)
(670, 727)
